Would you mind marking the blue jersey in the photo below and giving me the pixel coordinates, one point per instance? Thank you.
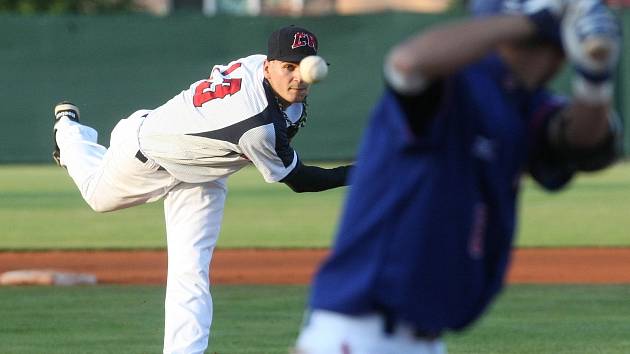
(427, 228)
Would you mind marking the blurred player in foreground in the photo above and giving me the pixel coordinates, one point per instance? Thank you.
(246, 112)
(427, 229)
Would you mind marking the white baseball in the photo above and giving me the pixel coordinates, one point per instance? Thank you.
(313, 69)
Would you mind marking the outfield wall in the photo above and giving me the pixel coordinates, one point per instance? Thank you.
(114, 65)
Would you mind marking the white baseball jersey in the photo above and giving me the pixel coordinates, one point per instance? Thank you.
(220, 124)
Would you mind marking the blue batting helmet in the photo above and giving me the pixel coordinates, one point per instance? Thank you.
(480, 8)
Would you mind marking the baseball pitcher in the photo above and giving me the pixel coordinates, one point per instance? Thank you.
(244, 112)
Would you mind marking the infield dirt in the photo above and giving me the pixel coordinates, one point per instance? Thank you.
(296, 266)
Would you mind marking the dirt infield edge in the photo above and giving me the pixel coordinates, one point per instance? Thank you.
(296, 266)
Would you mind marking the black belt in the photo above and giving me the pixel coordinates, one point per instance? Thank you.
(140, 156)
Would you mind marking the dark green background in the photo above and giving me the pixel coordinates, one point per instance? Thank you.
(112, 66)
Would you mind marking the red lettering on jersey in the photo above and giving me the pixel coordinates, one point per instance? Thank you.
(226, 87)
(203, 93)
(231, 68)
(478, 232)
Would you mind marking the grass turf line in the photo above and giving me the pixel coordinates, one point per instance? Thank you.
(40, 208)
(266, 319)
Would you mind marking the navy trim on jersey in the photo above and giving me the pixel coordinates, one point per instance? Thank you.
(270, 115)
(283, 147)
(234, 132)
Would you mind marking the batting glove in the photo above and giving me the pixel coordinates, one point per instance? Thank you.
(591, 36)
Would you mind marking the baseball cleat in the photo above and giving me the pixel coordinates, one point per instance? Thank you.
(63, 109)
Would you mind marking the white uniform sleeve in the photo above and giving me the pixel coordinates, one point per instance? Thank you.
(273, 157)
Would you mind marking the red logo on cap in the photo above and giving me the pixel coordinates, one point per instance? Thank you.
(301, 39)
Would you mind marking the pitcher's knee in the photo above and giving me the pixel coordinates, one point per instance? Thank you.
(100, 206)
(191, 274)
(193, 278)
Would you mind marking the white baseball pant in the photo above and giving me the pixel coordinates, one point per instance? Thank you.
(113, 178)
(333, 333)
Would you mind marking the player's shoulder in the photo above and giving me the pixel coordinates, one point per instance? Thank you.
(254, 61)
(247, 66)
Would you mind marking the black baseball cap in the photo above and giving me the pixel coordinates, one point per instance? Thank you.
(291, 44)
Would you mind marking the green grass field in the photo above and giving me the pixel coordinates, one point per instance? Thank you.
(592, 211)
(41, 209)
(265, 320)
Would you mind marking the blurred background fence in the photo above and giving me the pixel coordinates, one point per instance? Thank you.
(118, 59)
